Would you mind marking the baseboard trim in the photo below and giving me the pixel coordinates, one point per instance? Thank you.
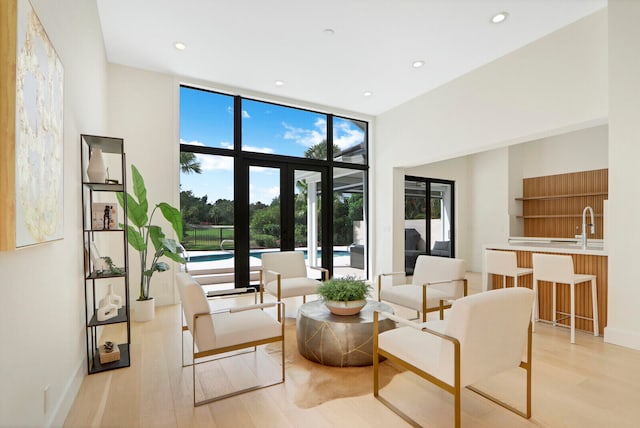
(61, 410)
(626, 338)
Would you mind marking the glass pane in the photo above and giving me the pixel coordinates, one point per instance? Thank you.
(264, 211)
(415, 222)
(349, 226)
(441, 219)
(206, 204)
(206, 118)
(280, 130)
(308, 233)
(349, 140)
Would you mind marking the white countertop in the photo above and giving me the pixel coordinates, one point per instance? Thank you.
(595, 247)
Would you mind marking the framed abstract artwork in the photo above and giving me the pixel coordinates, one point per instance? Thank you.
(31, 146)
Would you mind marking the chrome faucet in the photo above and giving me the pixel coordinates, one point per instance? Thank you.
(585, 224)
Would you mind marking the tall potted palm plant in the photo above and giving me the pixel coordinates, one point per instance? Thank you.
(140, 231)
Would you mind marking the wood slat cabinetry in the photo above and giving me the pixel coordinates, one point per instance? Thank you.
(553, 204)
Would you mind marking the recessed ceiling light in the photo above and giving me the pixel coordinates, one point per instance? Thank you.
(367, 93)
(278, 83)
(499, 17)
(328, 32)
(417, 64)
(180, 46)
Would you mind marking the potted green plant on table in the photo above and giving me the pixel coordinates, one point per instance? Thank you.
(344, 296)
(140, 231)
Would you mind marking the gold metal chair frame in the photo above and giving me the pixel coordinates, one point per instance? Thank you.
(219, 351)
(426, 310)
(452, 389)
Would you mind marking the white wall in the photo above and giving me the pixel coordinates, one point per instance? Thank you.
(489, 215)
(582, 150)
(623, 236)
(556, 84)
(143, 109)
(42, 303)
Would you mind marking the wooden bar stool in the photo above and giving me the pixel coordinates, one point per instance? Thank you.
(505, 263)
(559, 269)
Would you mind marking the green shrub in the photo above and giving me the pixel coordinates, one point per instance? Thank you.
(265, 241)
(344, 289)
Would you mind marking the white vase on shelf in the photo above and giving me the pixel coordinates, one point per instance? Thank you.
(96, 170)
(111, 298)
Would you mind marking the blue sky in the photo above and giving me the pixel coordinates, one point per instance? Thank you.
(206, 118)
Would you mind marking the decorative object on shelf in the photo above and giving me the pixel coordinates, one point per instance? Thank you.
(104, 216)
(344, 296)
(31, 130)
(108, 267)
(107, 310)
(96, 170)
(141, 230)
(109, 352)
(111, 297)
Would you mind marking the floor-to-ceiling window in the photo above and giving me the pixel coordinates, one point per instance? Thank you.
(258, 177)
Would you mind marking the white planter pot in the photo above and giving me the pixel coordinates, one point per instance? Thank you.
(345, 308)
(144, 310)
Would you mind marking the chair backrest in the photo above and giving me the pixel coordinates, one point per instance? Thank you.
(194, 301)
(492, 330)
(433, 269)
(502, 262)
(411, 239)
(288, 263)
(552, 267)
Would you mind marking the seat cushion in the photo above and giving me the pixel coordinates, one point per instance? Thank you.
(236, 328)
(420, 349)
(410, 296)
(291, 287)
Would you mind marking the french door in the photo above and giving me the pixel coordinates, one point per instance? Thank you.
(285, 213)
(429, 219)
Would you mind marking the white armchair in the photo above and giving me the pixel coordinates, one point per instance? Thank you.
(485, 334)
(435, 280)
(284, 274)
(225, 330)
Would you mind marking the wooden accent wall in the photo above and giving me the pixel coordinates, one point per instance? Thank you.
(553, 204)
(8, 16)
(585, 264)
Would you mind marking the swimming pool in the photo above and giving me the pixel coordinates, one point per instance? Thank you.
(256, 254)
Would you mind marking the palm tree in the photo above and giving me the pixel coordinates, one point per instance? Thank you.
(189, 163)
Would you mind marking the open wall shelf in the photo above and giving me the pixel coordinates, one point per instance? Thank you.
(114, 239)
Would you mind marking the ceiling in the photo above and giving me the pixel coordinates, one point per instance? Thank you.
(249, 44)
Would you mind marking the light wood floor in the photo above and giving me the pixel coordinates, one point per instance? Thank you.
(588, 384)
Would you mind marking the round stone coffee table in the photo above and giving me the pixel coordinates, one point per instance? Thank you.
(335, 340)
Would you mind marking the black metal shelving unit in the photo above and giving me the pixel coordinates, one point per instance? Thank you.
(95, 283)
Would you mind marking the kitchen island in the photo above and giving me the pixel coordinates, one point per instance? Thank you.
(590, 260)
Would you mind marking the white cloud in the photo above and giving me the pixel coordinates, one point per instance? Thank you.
(263, 194)
(245, 114)
(258, 149)
(306, 137)
(215, 163)
(347, 135)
